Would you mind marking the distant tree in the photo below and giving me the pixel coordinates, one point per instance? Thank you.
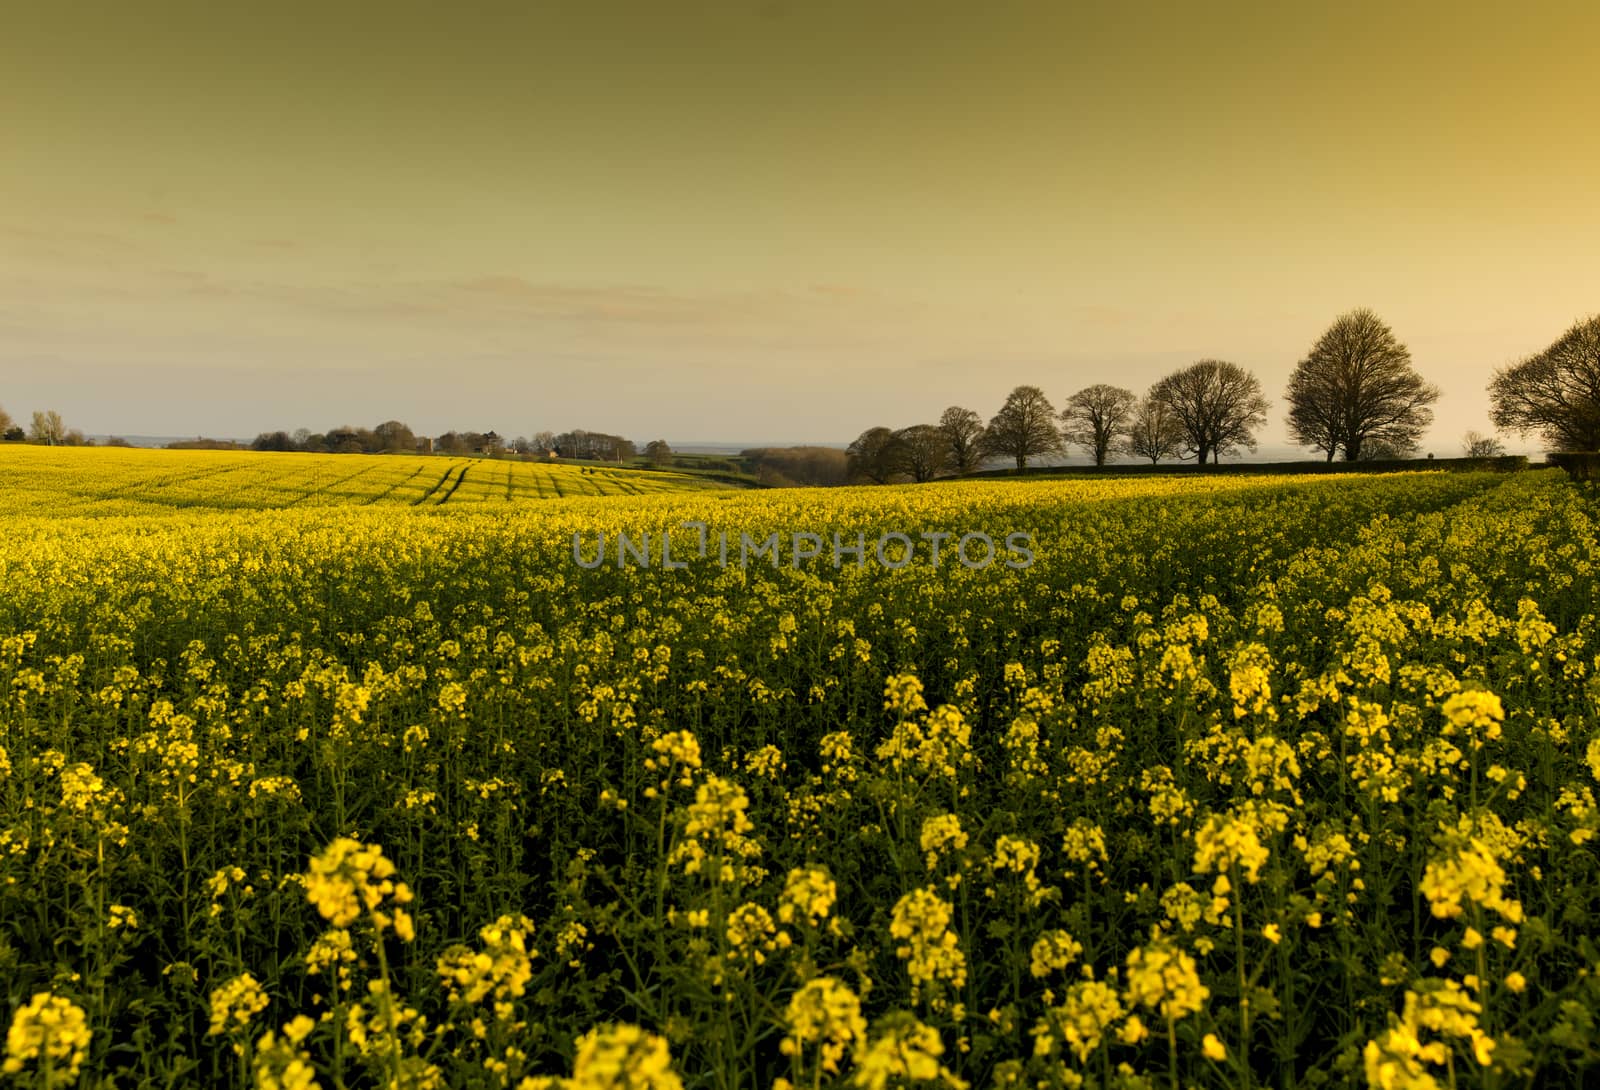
(1154, 432)
(1477, 445)
(118, 441)
(1358, 385)
(1024, 426)
(544, 441)
(825, 466)
(14, 434)
(963, 435)
(302, 438)
(47, 428)
(1556, 393)
(5, 420)
(659, 452)
(924, 451)
(394, 436)
(348, 440)
(1218, 406)
(449, 443)
(875, 456)
(277, 440)
(76, 438)
(1387, 450)
(1096, 418)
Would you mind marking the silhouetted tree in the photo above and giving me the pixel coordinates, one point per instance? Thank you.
(875, 456)
(1556, 393)
(1096, 418)
(963, 434)
(1477, 445)
(1024, 426)
(1357, 385)
(924, 451)
(1154, 432)
(1218, 406)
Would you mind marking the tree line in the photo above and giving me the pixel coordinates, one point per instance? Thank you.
(1354, 394)
(395, 437)
(47, 428)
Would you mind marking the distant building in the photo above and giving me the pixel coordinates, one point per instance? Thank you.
(425, 444)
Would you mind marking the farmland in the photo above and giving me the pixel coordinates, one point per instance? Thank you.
(1242, 782)
(68, 481)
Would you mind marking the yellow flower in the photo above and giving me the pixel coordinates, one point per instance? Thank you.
(1161, 975)
(1213, 1048)
(235, 1003)
(47, 1029)
(623, 1057)
(350, 878)
(824, 1011)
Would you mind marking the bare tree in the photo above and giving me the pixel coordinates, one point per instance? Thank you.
(1096, 419)
(1477, 445)
(544, 441)
(1154, 432)
(658, 451)
(1218, 405)
(875, 456)
(1357, 385)
(1024, 426)
(924, 451)
(47, 428)
(963, 433)
(1556, 393)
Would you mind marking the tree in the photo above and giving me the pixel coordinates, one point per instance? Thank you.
(1096, 419)
(276, 440)
(1387, 450)
(1024, 426)
(963, 435)
(1357, 385)
(924, 451)
(874, 456)
(544, 441)
(1217, 405)
(5, 420)
(14, 434)
(47, 428)
(658, 452)
(1556, 393)
(1154, 432)
(1477, 445)
(392, 435)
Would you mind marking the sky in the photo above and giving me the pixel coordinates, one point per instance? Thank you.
(769, 220)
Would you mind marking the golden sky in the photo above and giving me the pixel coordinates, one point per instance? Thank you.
(768, 220)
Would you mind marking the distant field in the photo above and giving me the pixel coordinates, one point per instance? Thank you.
(69, 481)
